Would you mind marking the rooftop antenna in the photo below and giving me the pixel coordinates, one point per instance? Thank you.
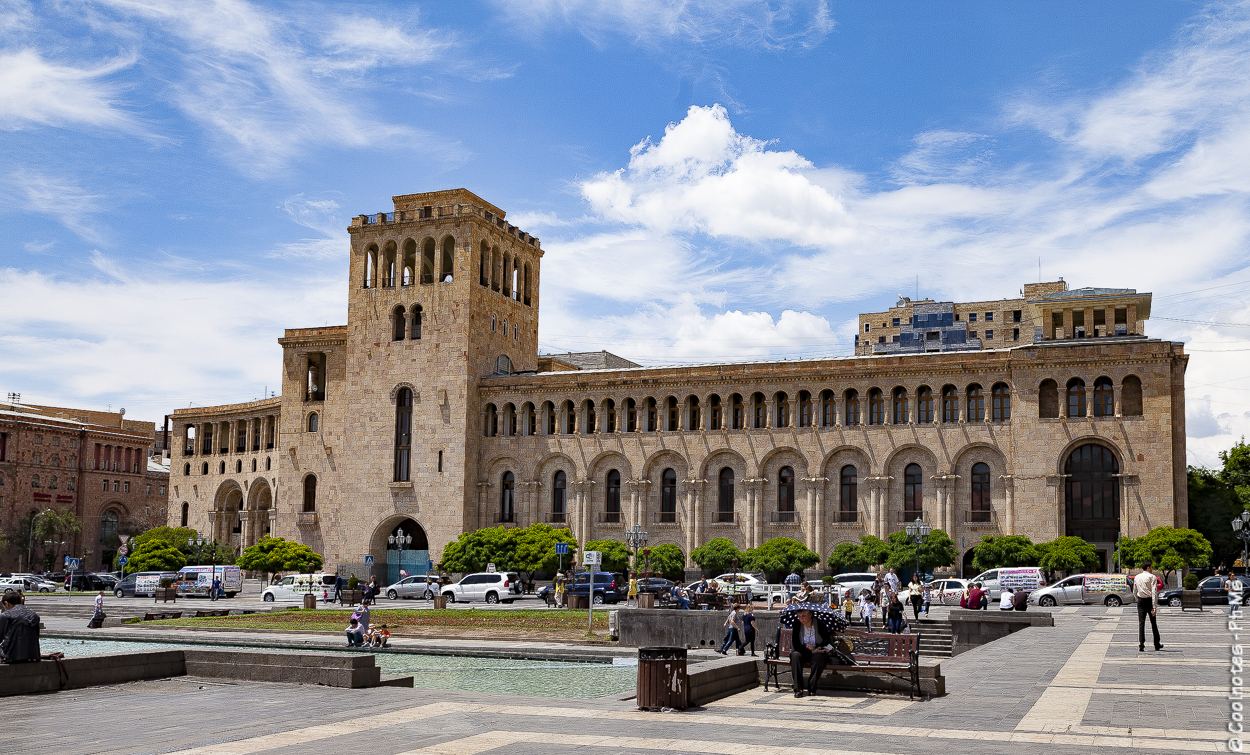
(14, 397)
(1039, 269)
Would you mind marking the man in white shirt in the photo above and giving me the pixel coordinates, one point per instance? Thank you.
(1146, 590)
(1233, 585)
(891, 579)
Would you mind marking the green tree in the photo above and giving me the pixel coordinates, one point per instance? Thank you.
(781, 554)
(523, 550)
(716, 555)
(996, 551)
(177, 537)
(156, 555)
(615, 554)
(1168, 548)
(275, 554)
(1216, 496)
(935, 550)
(849, 556)
(57, 527)
(667, 559)
(1067, 554)
(535, 549)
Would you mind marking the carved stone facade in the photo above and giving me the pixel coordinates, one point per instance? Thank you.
(428, 410)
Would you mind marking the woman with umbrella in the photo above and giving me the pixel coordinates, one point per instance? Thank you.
(813, 626)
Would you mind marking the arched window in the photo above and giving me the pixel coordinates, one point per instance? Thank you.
(785, 495)
(668, 496)
(1048, 399)
(852, 408)
(416, 322)
(757, 410)
(805, 409)
(427, 261)
(1130, 397)
(1092, 494)
(950, 404)
(253, 465)
(310, 493)
(267, 461)
(527, 284)
(783, 409)
(186, 469)
(388, 265)
(652, 415)
(550, 410)
(1076, 397)
(491, 424)
(982, 511)
(408, 270)
(612, 497)
(570, 418)
(848, 501)
(737, 419)
(398, 324)
(313, 422)
(449, 254)
(52, 482)
(506, 512)
(913, 492)
(976, 404)
(507, 275)
(558, 485)
(238, 466)
(222, 469)
(828, 412)
(186, 513)
(530, 422)
(1001, 403)
(631, 415)
(494, 268)
(725, 496)
(204, 468)
(717, 418)
(589, 413)
(371, 266)
(876, 407)
(1104, 398)
(924, 405)
(901, 410)
(695, 418)
(403, 435)
(516, 279)
(483, 260)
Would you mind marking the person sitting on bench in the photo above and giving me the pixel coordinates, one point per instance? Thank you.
(810, 643)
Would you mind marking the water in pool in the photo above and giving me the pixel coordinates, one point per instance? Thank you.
(500, 676)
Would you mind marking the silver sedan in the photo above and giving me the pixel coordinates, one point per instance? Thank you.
(413, 587)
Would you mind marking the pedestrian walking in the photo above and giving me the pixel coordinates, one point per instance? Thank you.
(215, 590)
(1235, 589)
(559, 589)
(371, 590)
(1146, 590)
(928, 599)
(891, 579)
(733, 632)
(97, 618)
(848, 606)
(632, 595)
(894, 612)
(867, 607)
(748, 627)
(916, 595)
(339, 584)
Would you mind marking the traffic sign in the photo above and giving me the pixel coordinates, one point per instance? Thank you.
(592, 558)
(368, 560)
(562, 549)
(122, 561)
(71, 563)
(122, 551)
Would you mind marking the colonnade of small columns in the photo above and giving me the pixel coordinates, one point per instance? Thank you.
(237, 436)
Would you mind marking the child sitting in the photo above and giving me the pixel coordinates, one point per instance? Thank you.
(354, 638)
(379, 636)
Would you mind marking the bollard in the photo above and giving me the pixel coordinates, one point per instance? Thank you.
(661, 678)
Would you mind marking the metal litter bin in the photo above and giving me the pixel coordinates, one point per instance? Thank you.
(662, 678)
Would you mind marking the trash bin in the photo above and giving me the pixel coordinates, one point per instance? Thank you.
(661, 678)
(646, 600)
(310, 601)
(579, 602)
(440, 601)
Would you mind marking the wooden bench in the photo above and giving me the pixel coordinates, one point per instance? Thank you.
(715, 600)
(162, 615)
(894, 655)
(210, 614)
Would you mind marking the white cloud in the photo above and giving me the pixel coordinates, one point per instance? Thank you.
(35, 91)
(321, 215)
(769, 24)
(59, 198)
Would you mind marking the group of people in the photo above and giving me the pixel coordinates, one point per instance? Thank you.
(360, 633)
(739, 630)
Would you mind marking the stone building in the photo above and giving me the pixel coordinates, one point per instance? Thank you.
(90, 462)
(431, 412)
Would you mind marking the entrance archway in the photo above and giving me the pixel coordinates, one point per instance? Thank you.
(411, 555)
(968, 571)
(1092, 494)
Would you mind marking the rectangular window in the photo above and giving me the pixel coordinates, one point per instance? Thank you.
(989, 335)
(972, 334)
(106, 486)
(894, 339)
(162, 489)
(880, 339)
(956, 317)
(972, 317)
(894, 322)
(440, 461)
(126, 487)
(989, 317)
(1015, 315)
(1015, 334)
(867, 327)
(116, 486)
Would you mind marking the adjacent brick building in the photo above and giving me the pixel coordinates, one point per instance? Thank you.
(431, 412)
(90, 462)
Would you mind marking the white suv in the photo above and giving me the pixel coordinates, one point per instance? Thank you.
(854, 582)
(492, 587)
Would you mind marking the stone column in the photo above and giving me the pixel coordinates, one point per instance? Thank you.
(751, 527)
(770, 408)
(1089, 399)
(698, 513)
(689, 524)
(883, 508)
(483, 504)
(873, 505)
(942, 502)
(792, 400)
(809, 527)
(1009, 509)
(951, 503)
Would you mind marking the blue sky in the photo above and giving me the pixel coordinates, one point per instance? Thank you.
(716, 179)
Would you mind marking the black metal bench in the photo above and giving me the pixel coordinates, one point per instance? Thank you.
(893, 655)
(162, 615)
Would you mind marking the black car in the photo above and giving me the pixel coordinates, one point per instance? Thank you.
(92, 582)
(609, 587)
(654, 585)
(1213, 593)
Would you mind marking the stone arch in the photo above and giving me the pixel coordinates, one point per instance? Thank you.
(896, 467)
(831, 469)
(724, 457)
(600, 465)
(259, 505)
(965, 459)
(226, 503)
(501, 464)
(1125, 461)
(666, 457)
(782, 456)
(399, 386)
(549, 463)
(840, 456)
(653, 471)
(383, 527)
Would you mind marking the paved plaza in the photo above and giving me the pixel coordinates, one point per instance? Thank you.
(1079, 687)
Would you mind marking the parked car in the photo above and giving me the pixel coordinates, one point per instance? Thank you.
(198, 580)
(609, 587)
(751, 584)
(492, 587)
(12, 583)
(1108, 589)
(142, 583)
(853, 581)
(35, 583)
(1028, 577)
(1212, 590)
(413, 587)
(653, 585)
(942, 592)
(296, 586)
(91, 582)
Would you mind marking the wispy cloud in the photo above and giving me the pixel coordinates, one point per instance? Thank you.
(35, 91)
(59, 198)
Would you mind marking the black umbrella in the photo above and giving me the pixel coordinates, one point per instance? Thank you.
(821, 613)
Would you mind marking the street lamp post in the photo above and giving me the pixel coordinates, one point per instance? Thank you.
(398, 541)
(636, 538)
(917, 533)
(1241, 528)
(30, 543)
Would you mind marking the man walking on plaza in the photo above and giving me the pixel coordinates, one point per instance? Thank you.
(1146, 590)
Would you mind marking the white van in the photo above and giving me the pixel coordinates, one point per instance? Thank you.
(296, 586)
(196, 580)
(994, 580)
(1108, 589)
